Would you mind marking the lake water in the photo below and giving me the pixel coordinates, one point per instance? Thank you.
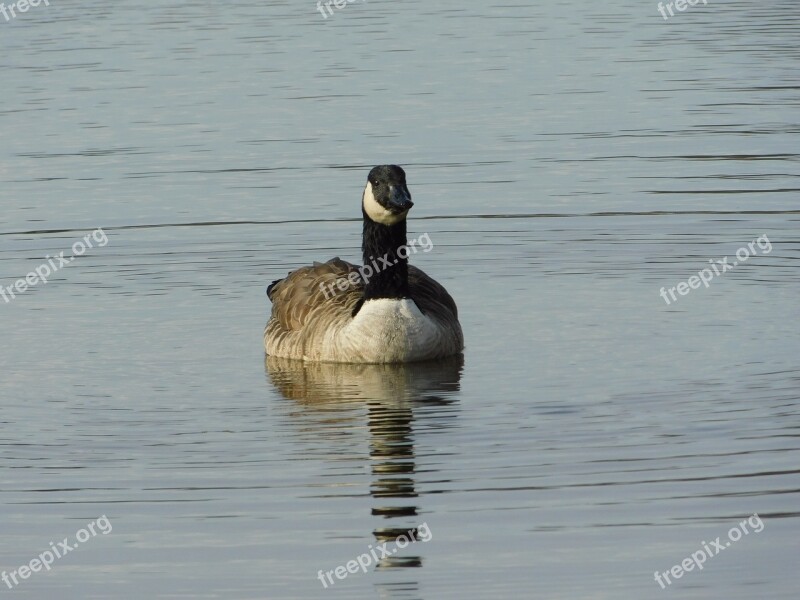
(568, 160)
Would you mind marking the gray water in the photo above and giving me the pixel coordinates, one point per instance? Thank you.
(567, 159)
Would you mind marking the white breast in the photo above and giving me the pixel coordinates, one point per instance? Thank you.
(388, 330)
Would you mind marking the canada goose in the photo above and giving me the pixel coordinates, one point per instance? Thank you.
(394, 315)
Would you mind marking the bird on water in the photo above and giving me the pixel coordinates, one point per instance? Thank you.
(394, 313)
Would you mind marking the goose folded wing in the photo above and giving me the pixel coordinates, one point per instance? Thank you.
(296, 297)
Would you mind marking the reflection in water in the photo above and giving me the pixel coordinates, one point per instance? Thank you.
(395, 397)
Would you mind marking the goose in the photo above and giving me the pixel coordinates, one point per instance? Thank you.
(384, 312)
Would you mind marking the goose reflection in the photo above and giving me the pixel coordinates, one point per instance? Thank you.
(397, 398)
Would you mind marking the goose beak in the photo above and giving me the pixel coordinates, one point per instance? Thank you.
(399, 200)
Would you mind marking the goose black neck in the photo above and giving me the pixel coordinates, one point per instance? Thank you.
(380, 245)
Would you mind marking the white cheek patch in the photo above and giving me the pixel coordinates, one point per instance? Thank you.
(378, 213)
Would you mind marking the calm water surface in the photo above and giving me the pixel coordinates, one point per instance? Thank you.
(567, 159)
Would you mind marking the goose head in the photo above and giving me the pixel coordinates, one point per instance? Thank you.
(386, 197)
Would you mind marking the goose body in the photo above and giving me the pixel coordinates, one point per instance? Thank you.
(339, 312)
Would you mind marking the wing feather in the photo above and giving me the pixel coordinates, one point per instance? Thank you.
(430, 295)
(306, 296)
